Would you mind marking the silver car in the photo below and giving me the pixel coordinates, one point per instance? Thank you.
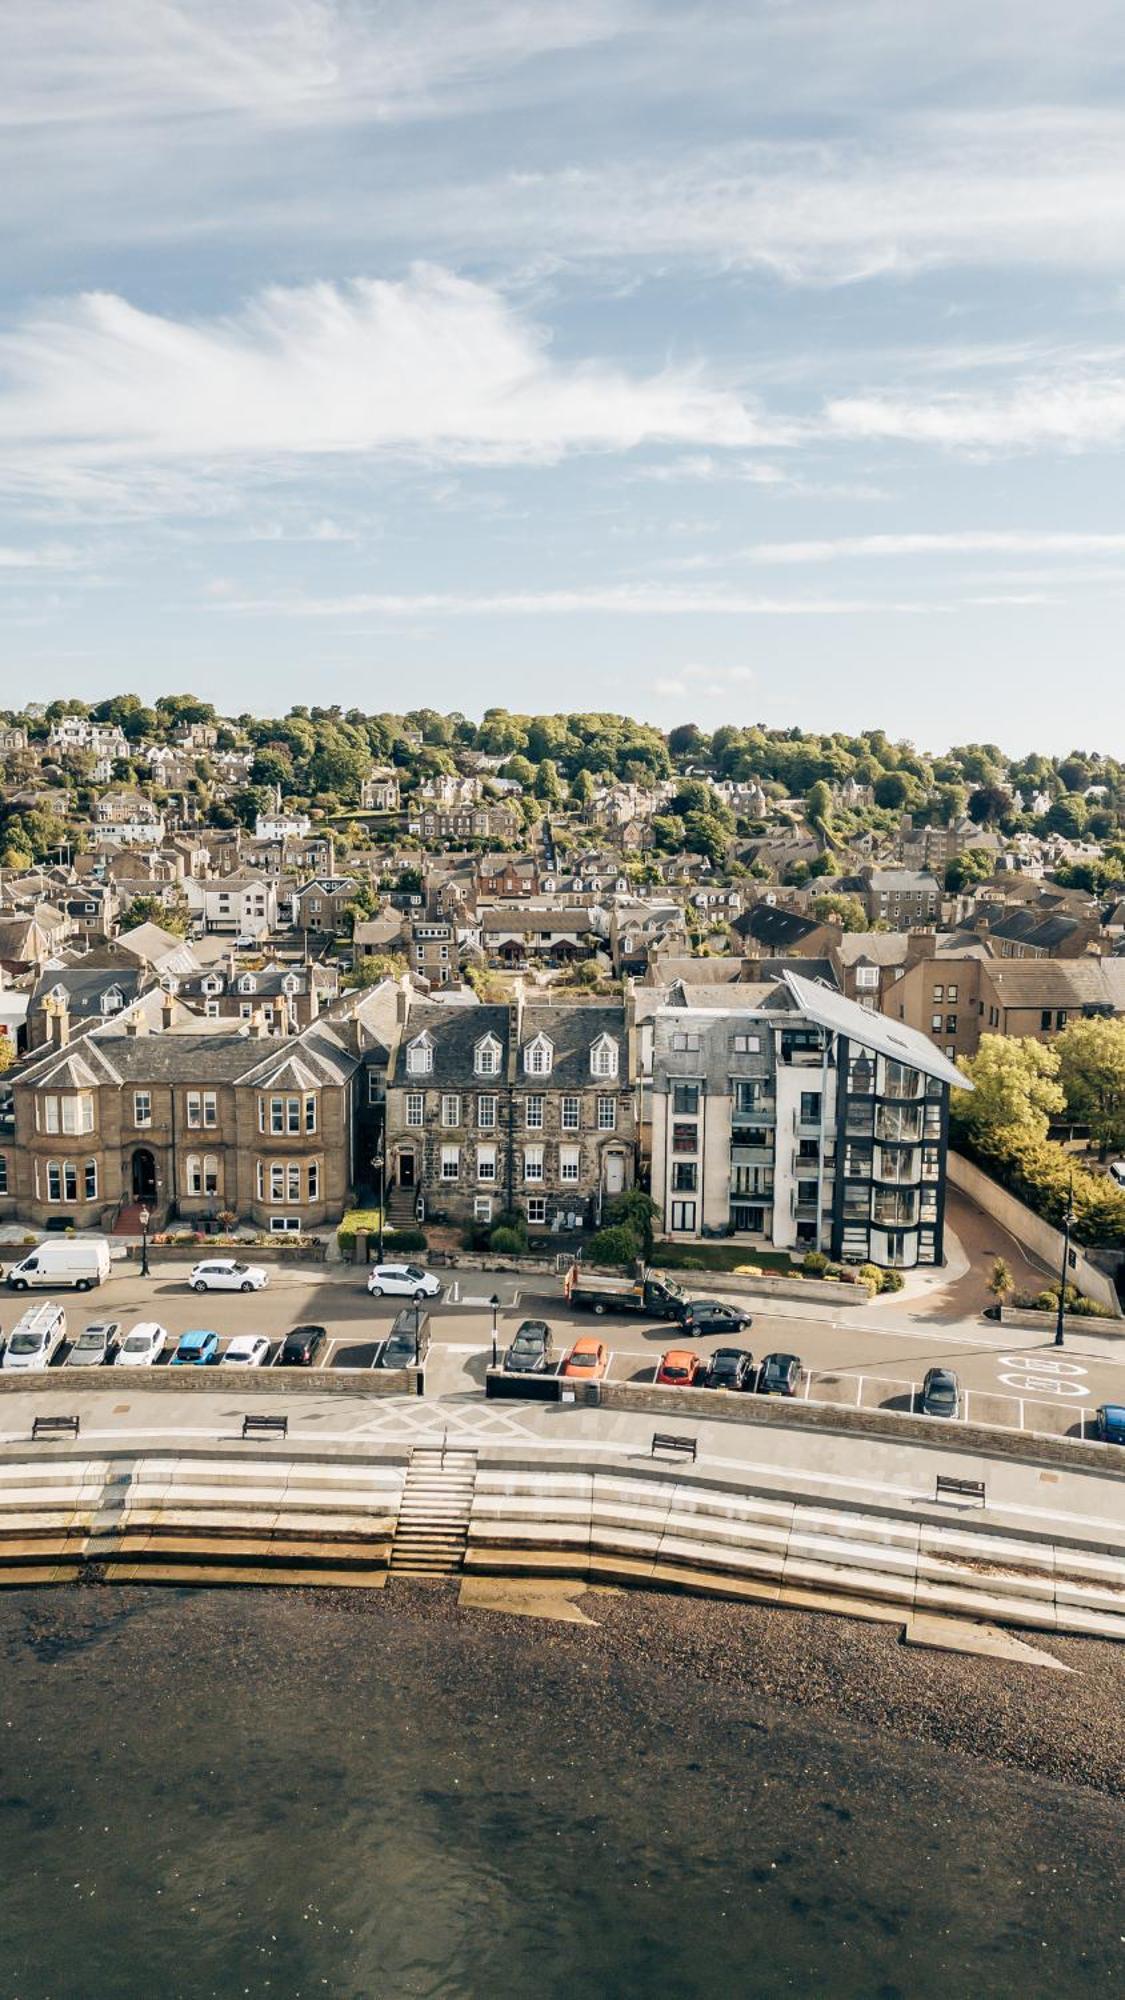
(94, 1344)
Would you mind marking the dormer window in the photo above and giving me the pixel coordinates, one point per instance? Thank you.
(246, 983)
(604, 1057)
(486, 1057)
(539, 1056)
(112, 1000)
(290, 983)
(212, 985)
(420, 1057)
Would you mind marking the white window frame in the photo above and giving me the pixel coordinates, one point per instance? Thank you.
(486, 1163)
(537, 1209)
(607, 1114)
(415, 1108)
(539, 1056)
(533, 1163)
(604, 1057)
(142, 1119)
(533, 1105)
(420, 1059)
(486, 1113)
(683, 1217)
(90, 1180)
(451, 1110)
(450, 1163)
(570, 1165)
(570, 1118)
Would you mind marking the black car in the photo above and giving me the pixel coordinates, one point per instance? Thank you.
(941, 1394)
(530, 1351)
(730, 1368)
(779, 1375)
(399, 1349)
(712, 1316)
(301, 1347)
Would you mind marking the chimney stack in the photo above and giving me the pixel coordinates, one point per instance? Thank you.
(59, 1017)
(167, 1010)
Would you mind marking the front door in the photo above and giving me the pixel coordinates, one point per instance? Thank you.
(144, 1177)
(614, 1173)
(406, 1170)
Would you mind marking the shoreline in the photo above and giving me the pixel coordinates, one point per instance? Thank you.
(857, 1671)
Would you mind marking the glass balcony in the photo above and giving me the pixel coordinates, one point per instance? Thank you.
(897, 1166)
(899, 1122)
(895, 1211)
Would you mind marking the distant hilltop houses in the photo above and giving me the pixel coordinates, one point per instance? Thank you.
(537, 961)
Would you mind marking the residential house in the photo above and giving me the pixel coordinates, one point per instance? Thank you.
(901, 897)
(128, 819)
(239, 905)
(322, 905)
(803, 1123)
(523, 1107)
(380, 791)
(500, 824)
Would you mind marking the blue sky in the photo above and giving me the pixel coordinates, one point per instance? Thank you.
(758, 362)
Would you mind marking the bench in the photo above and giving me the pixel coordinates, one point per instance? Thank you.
(667, 1441)
(962, 1489)
(265, 1427)
(54, 1427)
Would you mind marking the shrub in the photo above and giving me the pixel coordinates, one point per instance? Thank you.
(356, 1219)
(871, 1276)
(892, 1281)
(413, 1240)
(814, 1263)
(616, 1245)
(506, 1242)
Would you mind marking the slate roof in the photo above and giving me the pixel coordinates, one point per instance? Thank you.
(107, 1055)
(777, 928)
(1071, 983)
(84, 987)
(454, 1032)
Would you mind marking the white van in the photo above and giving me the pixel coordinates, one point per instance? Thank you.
(35, 1337)
(81, 1261)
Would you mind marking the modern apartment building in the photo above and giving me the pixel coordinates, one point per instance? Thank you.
(804, 1123)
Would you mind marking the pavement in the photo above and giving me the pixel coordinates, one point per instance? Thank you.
(866, 1358)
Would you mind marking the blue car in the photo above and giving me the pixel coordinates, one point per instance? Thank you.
(1111, 1423)
(196, 1350)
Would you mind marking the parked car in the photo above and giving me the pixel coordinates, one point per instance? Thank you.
(779, 1375)
(1109, 1423)
(142, 1345)
(1117, 1169)
(301, 1347)
(226, 1274)
(588, 1359)
(941, 1394)
(81, 1261)
(712, 1316)
(409, 1337)
(94, 1344)
(730, 1368)
(402, 1280)
(531, 1349)
(196, 1350)
(681, 1368)
(36, 1338)
(246, 1350)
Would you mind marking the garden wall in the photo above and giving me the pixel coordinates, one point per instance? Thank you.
(1040, 1238)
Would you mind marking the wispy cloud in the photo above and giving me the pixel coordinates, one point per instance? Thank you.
(973, 541)
(433, 367)
(1042, 413)
(619, 600)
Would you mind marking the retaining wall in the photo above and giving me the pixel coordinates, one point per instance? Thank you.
(1040, 1238)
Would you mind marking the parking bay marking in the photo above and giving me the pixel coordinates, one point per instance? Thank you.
(1043, 1375)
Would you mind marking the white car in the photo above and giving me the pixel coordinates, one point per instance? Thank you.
(405, 1280)
(226, 1274)
(1117, 1170)
(141, 1346)
(34, 1346)
(246, 1350)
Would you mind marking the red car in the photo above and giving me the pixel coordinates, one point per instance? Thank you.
(681, 1368)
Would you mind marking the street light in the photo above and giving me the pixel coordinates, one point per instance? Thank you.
(144, 1219)
(494, 1302)
(379, 1162)
(1068, 1218)
(417, 1332)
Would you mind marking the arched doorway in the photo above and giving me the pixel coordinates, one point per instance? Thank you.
(144, 1176)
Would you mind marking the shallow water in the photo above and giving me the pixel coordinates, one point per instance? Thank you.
(281, 1794)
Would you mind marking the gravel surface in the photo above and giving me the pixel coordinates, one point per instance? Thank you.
(1063, 1726)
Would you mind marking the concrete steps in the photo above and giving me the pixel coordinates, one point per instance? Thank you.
(434, 1513)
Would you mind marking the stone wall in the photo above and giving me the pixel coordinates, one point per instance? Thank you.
(1041, 1239)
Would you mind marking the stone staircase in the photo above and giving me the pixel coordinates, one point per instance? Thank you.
(400, 1207)
(433, 1521)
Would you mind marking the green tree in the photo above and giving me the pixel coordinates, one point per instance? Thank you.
(1092, 1074)
(834, 907)
(1000, 1280)
(1015, 1093)
(818, 806)
(150, 910)
(976, 865)
(547, 785)
(636, 1211)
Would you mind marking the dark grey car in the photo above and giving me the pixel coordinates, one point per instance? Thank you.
(530, 1351)
(941, 1394)
(409, 1339)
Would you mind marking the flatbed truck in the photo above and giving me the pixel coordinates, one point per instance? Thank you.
(647, 1292)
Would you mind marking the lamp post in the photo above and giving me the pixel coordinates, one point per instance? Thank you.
(379, 1162)
(144, 1219)
(1068, 1218)
(417, 1332)
(494, 1302)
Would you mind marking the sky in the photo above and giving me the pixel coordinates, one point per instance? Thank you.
(709, 362)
